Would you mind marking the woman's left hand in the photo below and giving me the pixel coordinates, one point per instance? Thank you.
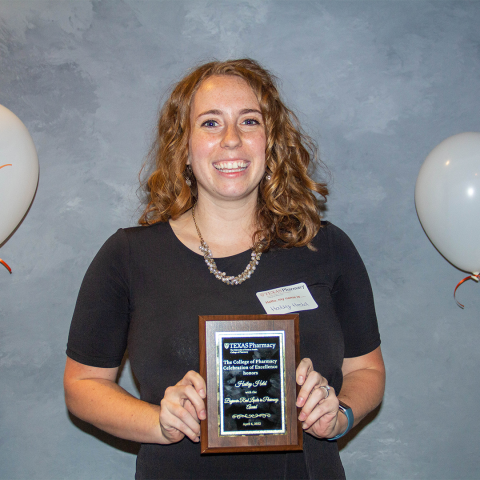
(319, 414)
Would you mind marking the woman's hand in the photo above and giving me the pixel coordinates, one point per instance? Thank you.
(182, 408)
(319, 414)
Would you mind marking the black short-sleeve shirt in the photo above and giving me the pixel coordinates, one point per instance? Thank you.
(145, 289)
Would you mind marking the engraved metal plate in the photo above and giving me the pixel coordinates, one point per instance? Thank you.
(251, 394)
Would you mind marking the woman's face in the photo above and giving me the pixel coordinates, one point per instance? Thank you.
(227, 141)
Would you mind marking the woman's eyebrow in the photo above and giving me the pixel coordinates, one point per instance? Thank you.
(250, 110)
(210, 112)
(219, 112)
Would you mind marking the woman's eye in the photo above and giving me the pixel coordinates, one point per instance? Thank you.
(209, 123)
(251, 121)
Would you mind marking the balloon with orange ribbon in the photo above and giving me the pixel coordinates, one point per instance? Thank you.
(18, 172)
(447, 198)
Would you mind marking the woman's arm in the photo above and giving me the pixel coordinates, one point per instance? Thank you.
(362, 391)
(92, 395)
(363, 383)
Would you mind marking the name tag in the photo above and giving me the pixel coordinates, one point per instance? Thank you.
(292, 298)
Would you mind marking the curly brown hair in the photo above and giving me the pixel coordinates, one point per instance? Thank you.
(288, 211)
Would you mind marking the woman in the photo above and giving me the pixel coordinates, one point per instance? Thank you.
(229, 175)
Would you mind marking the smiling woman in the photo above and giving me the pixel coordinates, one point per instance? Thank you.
(286, 213)
(228, 175)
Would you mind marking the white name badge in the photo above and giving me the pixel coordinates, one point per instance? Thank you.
(292, 298)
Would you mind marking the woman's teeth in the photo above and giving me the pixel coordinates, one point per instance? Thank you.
(231, 167)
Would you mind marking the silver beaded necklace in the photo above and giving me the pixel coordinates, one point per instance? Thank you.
(212, 266)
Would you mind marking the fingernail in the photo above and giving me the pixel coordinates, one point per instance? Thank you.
(304, 426)
(202, 393)
(299, 401)
(300, 380)
(203, 415)
(302, 417)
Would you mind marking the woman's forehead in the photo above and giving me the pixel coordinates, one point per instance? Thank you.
(224, 90)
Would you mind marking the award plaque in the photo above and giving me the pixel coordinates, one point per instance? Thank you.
(249, 363)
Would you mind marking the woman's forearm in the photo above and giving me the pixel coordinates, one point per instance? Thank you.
(109, 407)
(92, 394)
(362, 391)
(363, 383)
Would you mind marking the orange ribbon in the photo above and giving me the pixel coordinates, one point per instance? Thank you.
(473, 277)
(5, 264)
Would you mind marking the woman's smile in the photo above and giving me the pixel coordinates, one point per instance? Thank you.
(231, 166)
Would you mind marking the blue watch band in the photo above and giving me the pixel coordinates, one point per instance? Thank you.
(347, 411)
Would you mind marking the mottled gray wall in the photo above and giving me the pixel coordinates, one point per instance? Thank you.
(378, 85)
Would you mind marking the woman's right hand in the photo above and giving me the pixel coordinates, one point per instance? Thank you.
(182, 408)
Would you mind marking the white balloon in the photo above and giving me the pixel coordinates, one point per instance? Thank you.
(18, 182)
(447, 197)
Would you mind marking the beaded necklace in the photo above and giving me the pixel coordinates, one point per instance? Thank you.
(212, 266)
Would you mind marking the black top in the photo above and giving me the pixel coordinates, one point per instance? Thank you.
(145, 289)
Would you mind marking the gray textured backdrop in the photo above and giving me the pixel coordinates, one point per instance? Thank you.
(377, 84)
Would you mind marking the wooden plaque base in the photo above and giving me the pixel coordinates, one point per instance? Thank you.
(212, 328)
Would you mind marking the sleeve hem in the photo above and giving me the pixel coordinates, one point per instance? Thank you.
(94, 361)
(364, 350)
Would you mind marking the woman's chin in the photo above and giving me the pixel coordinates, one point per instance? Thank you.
(232, 193)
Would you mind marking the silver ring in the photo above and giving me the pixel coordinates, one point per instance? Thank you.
(327, 390)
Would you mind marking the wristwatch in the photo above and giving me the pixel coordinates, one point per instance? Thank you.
(347, 411)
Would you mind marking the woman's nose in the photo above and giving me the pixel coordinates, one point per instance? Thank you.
(231, 138)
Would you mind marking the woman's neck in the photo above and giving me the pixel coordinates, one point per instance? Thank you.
(227, 227)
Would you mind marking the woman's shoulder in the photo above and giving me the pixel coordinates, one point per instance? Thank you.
(331, 233)
(124, 239)
(157, 228)
(146, 233)
(336, 243)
